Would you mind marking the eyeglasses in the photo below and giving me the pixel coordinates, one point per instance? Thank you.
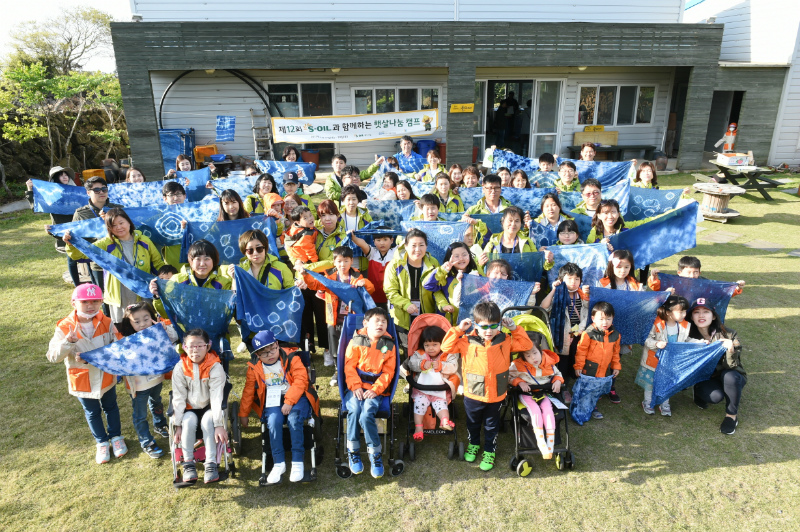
(595, 193)
(491, 189)
(99, 190)
(174, 195)
(271, 348)
(566, 232)
(196, 347)
(488, 327)
(257, 249)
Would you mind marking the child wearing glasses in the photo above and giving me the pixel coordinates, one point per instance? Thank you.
(486, 358)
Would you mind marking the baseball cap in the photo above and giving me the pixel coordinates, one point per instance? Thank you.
(87, 292)
(291, 177)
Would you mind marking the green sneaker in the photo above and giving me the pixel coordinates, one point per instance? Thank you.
(487, 462)
(471, 454)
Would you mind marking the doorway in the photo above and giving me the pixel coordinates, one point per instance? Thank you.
(725, 108)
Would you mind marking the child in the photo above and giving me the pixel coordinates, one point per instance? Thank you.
(568, 233)
(505, 176)
(534, 368)
(450, 202)
(85, 329)
(645, 176)
(146, 390)
(352, 176)
(618, 273)
(369, 368)
(545, 177)
(353, 217)
(429, 207)
(597, 353)
(291, 185)
(231, 206)
(167, 271)
(290, 203)
(333, 184)
(301, 237)
(433, 168)
(429, 358)
(567, 178)
(475, 243)
(277, 388)
(378, 257)
(174, 194)
(520, 179)
(688, 266)
(577, 313)
(501, 269)
(447, 278)
(336, 310)
(670, 326)
(184, 164)
(388, 189)
(485, 359)
(198, 383)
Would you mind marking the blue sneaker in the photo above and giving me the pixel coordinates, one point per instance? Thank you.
(356, 466)
(376, 459)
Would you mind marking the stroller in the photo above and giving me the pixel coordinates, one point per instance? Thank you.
(312, 428)
(386, 413)
(429, 421)
(524, 439)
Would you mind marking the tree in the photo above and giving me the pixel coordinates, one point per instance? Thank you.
(64, 43)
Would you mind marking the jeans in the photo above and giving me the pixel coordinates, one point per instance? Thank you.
(362, 413)
(486, 415)
(223, 348)
(98, 279)
(144, 399)
(74, 274)
(274, 419)
(92, 409)
(189, 430)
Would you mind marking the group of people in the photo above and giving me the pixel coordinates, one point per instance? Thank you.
(405, 281)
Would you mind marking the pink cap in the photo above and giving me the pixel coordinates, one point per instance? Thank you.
(87, 292)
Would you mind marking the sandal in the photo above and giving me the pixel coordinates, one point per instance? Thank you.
(446, 424)
(419, 435)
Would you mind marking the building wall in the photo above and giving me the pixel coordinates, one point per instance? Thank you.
(629, 11)
(785, 146)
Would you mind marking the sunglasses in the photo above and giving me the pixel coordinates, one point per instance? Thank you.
(257, 249)
(489, 327)
(100, 190)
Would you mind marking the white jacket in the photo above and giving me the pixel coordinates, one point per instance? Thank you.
(205, 387)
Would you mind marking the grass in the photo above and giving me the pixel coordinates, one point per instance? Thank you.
(634, 472)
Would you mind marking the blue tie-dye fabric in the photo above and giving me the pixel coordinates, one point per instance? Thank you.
(148, 352)
(56, 198)
(259, 308)
(545, 235)
(585, 393)
(196, 184)
(514, 162)
(243, 185)
(527, 199)
(648, 202)
(558, 315)
(569, 200)
(391, 212)
(634, 312)
(608, 173)
(141, 194)
(494, 222)
(681, 365)
(360, 298)
(305, 171)
(620, 192)
(191, 307)
(373, 229)
(543, 179)
(658, 239)
(225, 236)
(440, 235)
(475, 289)
(527, 267)
(136, 280)
(717, 293)
(413, 163)
(591, 258)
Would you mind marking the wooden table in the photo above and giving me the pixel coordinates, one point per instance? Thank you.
(752, 174)
(616, 152)
(715, 200)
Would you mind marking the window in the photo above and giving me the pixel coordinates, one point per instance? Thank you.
(616, 105)
(288, 99)
(391, 99)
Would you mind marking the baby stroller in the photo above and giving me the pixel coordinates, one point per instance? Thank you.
(455, 448)
(386, 413)
(312, 428)
(524, 438)
(224, 452)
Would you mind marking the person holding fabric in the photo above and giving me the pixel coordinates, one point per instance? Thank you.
(408, 160)
(334, 184)
(588, 151)
(567, 178)
(353, 218)
(255, 203)
(511, 240)
(552, 212)
(184, 164)
(450, 201)
(447, 278)
(729, 377)
(173, 194)
(607, 222)
(591, 191)
(260, 263)
(492, 202)
(129, 245)
(433, 168)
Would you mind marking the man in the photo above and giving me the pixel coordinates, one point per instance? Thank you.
(409, 161)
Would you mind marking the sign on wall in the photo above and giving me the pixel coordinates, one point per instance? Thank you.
(355, 128)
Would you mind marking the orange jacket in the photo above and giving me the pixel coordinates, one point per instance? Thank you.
(331, 301)
(255, 392)
(633, 284)
(522, 371)
(364, 357)
(301, 244)
(485, 364)
(655, 286)
(597, 352)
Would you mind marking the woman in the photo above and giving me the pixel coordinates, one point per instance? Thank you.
(254, 203)
(231, 206)
(552, 213)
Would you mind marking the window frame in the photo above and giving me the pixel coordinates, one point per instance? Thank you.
(300, 92)
(396, 88)
(618, 87)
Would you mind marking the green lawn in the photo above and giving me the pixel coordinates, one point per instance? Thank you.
(634, 472)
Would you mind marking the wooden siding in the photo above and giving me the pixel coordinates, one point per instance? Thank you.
(786, 138)
(459, 47)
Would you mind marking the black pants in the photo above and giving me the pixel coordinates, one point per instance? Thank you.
(566, 362)
(334, 333)
(728, 385)
(486, 415)
(314, 311)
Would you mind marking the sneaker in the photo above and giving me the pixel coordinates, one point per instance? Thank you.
(356, 466)
(242, 347)
(211, 474)
(118, 444)
(162, 431)
(471, 454)
(335, 380)
(729, 425)
(153, 450)
(567, 397)
(376, 459)
(103, 455)
(189, 471)
(614, 397)
(328, 359)
(665, 410)
(647, 410)
(298, 472)
(277, 472)
(487, 461)
(596, 414)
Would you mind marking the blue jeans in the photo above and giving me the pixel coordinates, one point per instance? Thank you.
(274, 419)
(92, 409)
(99, 280)
(223, 348)
(74, 274)
(362, 413)
(144, 399)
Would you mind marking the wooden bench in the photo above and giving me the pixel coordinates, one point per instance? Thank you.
(616, 152)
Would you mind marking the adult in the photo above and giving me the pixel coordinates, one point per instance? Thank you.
(552, 212)
(291, 154)
(525, 127)
(591, 192)
(588, 151)
(255, 203)
(64, 176)
(492, 202)
(408, 160)
(729, 377)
